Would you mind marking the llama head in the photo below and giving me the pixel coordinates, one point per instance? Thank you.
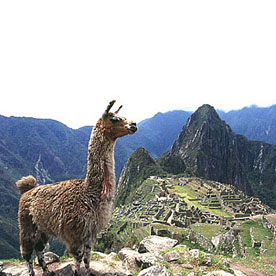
(115, 126)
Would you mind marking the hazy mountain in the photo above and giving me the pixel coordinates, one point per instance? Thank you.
(256, 123)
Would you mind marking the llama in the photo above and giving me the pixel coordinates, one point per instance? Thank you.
(73, 211)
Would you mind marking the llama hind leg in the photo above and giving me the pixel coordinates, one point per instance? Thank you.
(39, 247)
(26, 249)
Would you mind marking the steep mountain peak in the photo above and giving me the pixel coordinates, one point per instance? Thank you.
(205, 113)
(207, 147)
(203, 127)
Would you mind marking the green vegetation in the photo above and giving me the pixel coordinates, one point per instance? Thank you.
(207, 230)
(190, 197)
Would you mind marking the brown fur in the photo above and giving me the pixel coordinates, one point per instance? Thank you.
(26, 183)
(75, 210)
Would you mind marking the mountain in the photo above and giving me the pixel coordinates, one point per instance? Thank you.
(139, 167)
(156, 134)
(207, 147)
(256, 123)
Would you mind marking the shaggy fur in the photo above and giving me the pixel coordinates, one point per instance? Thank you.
(74, 211)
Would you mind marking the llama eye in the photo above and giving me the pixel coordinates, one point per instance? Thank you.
(114, 119)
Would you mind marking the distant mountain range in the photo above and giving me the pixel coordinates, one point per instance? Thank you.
(51, 151)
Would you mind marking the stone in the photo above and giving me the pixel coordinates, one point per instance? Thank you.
(191, 274)
(129, 256)
(172, 256)
(15, 271)
(156, 244)
(148, 259)
(157, 270)
(49, 258)
(65, 270)
(187, 266)
(194, 253)
(238, 273)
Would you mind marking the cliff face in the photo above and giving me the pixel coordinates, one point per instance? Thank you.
(207, 147)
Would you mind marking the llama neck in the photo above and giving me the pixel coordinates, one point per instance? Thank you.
(100, 165)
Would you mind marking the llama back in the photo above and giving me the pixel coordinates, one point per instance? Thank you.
(60, 208)
(26, 183)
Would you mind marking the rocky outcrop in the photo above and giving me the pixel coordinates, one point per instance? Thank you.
(155, 244)
(156, 270)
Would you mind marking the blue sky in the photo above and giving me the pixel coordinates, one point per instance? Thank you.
(66, 60)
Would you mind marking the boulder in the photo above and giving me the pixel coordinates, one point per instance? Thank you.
(129, 256)
(147, 259)
(156, 244)
(224, 242)
(157, 270)
(172, 256)
(65, 270)
(49, 258)
(194, 253)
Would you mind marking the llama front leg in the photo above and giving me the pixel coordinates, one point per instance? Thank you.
(77, 263)
(77, 253)
(29, 264)
(86, 257)
(42, 263)
(39, 249)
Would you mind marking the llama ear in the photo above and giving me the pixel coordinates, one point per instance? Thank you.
(116, 112)
(108, 108)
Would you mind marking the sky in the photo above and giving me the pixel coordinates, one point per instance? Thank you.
(65, 60)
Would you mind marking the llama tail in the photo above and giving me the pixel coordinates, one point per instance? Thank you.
(26, 183)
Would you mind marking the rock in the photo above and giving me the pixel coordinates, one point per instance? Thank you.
(15, 271)
(129, 256)
(172, 256)
(194, 253)
(238, 273)
(156, 270)
(187, 266)
(49, 258)
(156, 244)
(147, 259)
(191, 274)
(224, 242)
(64, 271)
